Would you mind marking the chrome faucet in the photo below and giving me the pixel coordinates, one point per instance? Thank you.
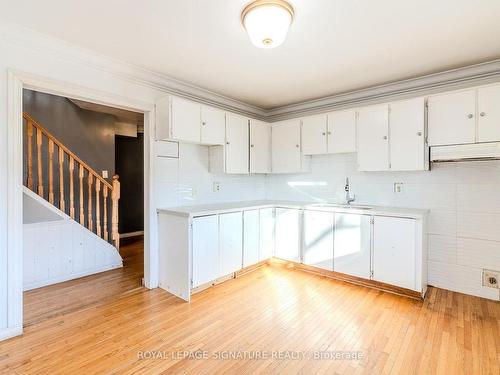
(348, 197)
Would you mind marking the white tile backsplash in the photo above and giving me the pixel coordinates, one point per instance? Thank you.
(464, 204)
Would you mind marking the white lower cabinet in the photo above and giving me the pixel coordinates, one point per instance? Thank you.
(230, 242)
(287, 227)
(394, 251)
(251, 237)
(198, 250)
(266, 224)
(205, 257)
(352, 244)
(318, 239)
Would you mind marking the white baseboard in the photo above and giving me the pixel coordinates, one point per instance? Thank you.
(7, 333)
(72, 276)
(132, 234)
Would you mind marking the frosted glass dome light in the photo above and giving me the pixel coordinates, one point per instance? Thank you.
(267, 22)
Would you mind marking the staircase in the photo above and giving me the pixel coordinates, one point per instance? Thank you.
(67, 210)
(89, 207)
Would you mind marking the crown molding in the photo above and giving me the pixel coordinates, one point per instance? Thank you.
(453, 79)
(35, 41)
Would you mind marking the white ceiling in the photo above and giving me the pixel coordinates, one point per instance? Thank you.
(333, 46)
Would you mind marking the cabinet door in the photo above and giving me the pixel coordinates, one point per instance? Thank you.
(287, 232)
(488, 102)
(407, 141)
(286, 154)
(314, 130)
(451, 118)
(251, 237)
(260, 147)
(213, 126)
(236, 151)
(394, 246)
(352, 245)
(185, 120)
(318, 239)
(231, 242)
(342, 132)
(266, 224)
(373, 138)
(205, 249)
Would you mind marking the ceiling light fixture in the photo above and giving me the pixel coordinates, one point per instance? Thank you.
(267, 22)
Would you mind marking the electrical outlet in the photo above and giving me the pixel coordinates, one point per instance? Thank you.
(104, 174)
(490, 279)
(216, 187)
(398, 187)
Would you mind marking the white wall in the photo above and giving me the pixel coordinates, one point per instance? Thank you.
(464, 203)
(187, 180)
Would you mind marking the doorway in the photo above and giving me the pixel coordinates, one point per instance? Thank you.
(17, 81)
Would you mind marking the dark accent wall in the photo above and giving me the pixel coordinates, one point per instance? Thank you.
(129, 164)
(90, 135)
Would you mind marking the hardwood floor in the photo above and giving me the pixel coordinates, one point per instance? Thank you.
(63, 298)
(268, 312)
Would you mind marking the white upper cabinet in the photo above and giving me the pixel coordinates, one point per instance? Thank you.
(407, 135)
(373, 138)
(488, 119)
(260, 147)
(286, 148)
(452, 118)
(178, 119)
(341, 132)
(213, 122)
(236, 149)
(314, 135)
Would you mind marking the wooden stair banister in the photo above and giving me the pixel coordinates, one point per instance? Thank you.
(97, 186)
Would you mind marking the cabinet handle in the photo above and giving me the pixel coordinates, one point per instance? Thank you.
(227, 143)
(384, 137)
(419, 134)
(323, 133)
(251, 145)
(470, 115)
(297, 146)
(329, 133)
(482, 114)
(203, 123)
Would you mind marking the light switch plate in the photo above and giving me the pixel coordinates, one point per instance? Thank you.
(398, 187)
(216, 187)
(104, 174)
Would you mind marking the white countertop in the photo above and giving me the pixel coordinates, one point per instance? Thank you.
(217, 208)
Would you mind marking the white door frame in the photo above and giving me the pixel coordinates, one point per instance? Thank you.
(17, 81)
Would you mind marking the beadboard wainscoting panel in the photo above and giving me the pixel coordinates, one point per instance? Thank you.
(478, 253)
(443, 248)
(463, 199)
(478, 225)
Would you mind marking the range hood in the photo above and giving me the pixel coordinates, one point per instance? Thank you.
(472, 152)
